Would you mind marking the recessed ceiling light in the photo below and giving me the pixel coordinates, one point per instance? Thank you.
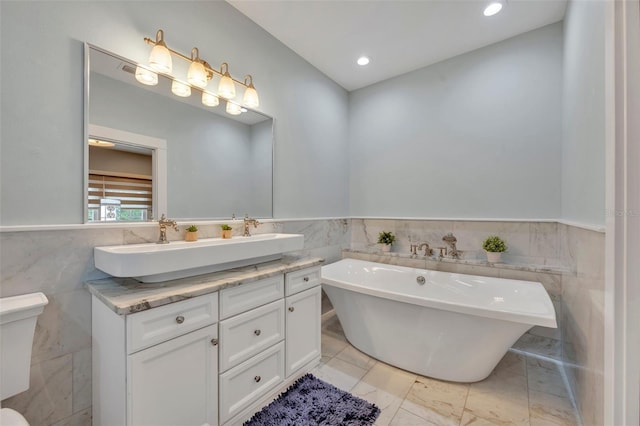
(363, 60)
(492, 8)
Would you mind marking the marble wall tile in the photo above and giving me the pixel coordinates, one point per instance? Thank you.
(49, 397)
(82, 380)
(515, 234)
(543, 239)
(583, 319)
(58, 263)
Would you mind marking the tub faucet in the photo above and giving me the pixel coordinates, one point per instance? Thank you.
(163, 222)
(249, 221)
(451, 241)
(427, 251)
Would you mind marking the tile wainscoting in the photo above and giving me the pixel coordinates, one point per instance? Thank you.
(57, 263)
(568, 261)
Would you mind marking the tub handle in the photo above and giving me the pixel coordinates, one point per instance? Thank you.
(291, 309)
(257, 332)
(421, 280)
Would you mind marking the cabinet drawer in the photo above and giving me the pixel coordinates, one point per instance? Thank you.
(244, 335)
(148, 328)
(247, 382)
(236, 300)
(297, 281)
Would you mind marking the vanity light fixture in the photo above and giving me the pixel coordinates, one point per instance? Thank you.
(209, 99)
(160, 57)
(199, 68)
(197, 75)
(146, 76)
(493, 8)
(181, 89)
(233, 109)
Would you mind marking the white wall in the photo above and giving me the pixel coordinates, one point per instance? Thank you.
(42, 91)
(583, 142)
(478, 135)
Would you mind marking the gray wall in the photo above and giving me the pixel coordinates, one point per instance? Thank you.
(476, 136)
(42, 92)
(583, 143)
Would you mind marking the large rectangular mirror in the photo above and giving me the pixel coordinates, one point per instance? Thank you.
(185, 159)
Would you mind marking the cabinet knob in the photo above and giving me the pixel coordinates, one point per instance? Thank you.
(306, 279)
(257, 332)
(291, 309)
(179, 319)
(214, 342)
(257, 378)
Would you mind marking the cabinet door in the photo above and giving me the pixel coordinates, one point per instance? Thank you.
(303, 318)
(175, 382)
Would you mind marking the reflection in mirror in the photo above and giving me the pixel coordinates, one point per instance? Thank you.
(216, 165)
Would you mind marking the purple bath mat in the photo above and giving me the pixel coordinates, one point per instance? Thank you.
(312, 402)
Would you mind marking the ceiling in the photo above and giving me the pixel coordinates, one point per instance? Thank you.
(397, 35)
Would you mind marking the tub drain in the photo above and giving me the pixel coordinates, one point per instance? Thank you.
(420, 280)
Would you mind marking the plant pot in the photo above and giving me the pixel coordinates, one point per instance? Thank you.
(191, 236)
(386, 248)
(493, 257)
(226, 233)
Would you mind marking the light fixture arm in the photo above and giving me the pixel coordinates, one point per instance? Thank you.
(224, 65)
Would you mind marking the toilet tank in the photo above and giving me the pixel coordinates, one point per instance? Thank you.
(18, 316)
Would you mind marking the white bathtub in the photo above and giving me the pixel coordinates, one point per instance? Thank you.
(453, 327)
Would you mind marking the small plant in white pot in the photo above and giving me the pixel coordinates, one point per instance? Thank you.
(494, 246)
(386, 239)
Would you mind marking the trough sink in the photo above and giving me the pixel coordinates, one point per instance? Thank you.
(151, 262)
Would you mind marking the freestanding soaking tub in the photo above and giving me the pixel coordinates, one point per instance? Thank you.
(443, 325)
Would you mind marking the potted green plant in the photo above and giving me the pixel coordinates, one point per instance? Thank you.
(191, 233)
(226, 231)
(386, 239)
(494, 246)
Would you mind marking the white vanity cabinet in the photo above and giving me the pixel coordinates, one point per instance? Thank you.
(303, 320)
(156, 367)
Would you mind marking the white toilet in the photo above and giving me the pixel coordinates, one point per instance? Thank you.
(18, 315)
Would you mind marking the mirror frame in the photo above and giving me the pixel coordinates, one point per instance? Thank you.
(160, 156)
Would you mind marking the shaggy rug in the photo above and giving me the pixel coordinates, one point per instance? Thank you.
(312, 402)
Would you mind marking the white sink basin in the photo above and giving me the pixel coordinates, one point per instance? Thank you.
(151, 262)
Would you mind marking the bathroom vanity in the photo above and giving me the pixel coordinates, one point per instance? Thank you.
(209, 349)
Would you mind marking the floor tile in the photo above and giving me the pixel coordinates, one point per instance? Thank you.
(546, 409)
(339, 373)
(387, 402)
(405, 418)
(501, 398)
(331, 346)
(545, 376)
(355, 357)
(390, 379)
(437, 401)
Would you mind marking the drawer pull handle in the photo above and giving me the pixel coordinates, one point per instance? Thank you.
(214, 342)
(306, 279)
(257, 332)
(257, 379)
(179, 319)
(291, 309)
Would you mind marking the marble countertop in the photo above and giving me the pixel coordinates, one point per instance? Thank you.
(127, 296)
(549, 269)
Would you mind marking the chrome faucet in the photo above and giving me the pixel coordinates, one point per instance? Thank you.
(249, 221)
(427, 251)
(451, 241)
(163, 222)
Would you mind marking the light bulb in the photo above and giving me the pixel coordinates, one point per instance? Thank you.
(362, 61)
(145, 76)
(233, 109)
(210, 100)
(180, 89)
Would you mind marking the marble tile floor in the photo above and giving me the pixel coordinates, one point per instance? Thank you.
(522, 390)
